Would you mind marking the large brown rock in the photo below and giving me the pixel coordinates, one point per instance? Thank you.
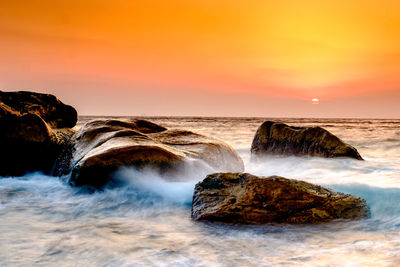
(281, 139)
(54, 112)
(245, 198)
(102, 146)
(28, 142)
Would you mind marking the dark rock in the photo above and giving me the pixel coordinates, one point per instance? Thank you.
(48, 107)
(27, 141)
(102, 146)
(248, 199)
(281, 139)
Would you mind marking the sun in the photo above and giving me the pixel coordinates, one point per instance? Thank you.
(315, 101)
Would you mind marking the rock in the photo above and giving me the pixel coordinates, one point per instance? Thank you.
(248, 199)
(281, 139)
(6, 112)
(48, 107)
(102, 146)
(28, 142)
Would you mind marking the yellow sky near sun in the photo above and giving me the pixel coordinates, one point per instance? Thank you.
(285, 48)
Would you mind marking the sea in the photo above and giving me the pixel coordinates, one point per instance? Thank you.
(146, 222)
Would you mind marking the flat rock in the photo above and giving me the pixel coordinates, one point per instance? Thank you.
(103, 146)
(248, 199)
(274, 138)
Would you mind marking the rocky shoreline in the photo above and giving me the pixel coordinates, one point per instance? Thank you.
(37, 134)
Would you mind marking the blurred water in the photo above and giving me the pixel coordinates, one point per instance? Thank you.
(44, 222)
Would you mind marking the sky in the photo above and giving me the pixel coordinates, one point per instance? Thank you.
(206, 58)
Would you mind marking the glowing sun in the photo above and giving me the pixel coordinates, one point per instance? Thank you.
(315, 101)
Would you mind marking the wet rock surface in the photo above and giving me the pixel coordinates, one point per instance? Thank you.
(273, 138)
(248, 199)
(102, 146)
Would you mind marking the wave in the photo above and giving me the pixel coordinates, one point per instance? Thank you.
(147, 221)
(144, 191)
(382, 202)
(148, 190)
(149, 184)
(372, 172)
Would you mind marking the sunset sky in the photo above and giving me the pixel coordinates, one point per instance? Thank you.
(207, 58)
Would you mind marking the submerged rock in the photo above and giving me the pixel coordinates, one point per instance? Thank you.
(30, 137)
(281, 139)
(245, 198)
(102, 146)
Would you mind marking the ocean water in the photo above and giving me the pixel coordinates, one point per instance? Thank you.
(45, 222)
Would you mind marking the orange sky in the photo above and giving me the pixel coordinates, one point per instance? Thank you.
(203, 57)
